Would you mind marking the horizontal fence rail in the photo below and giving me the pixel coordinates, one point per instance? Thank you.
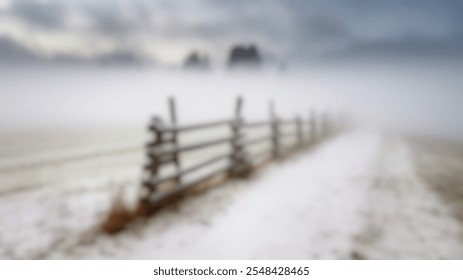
(164, 149)
(195, 126)
(257, 140)
(173, 150)
(257, 124)
(153, 181)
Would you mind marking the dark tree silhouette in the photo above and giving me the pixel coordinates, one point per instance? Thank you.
(196, 61)
(244, 56)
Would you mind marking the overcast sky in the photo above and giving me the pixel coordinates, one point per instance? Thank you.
(166, 30)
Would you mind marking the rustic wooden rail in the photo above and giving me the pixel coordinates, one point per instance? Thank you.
(164, 149)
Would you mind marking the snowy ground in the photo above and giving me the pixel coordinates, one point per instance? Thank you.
(361, 195)
(54, 189)
(356, 196)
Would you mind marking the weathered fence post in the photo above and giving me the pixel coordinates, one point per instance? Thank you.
(299, 131)
(275, 131)
(313, 126)
(325, 125)
(240, 167)
(156, 125)
(173, 118)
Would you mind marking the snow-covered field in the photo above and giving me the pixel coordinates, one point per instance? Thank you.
(356, 196)
(71, 140)
(56, 191)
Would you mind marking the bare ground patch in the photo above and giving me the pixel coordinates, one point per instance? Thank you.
(440, 164)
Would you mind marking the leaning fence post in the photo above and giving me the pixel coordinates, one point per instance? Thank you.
(240, 166)
(300, 135)
(275, 131)
(152, 167)
(173, 118)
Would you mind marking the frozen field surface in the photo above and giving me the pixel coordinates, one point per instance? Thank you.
(358, 196)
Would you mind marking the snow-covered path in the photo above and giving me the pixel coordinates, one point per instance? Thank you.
(406, 219)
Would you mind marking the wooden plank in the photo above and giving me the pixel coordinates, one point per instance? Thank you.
(162, 152)
(157, 197)
(256, 124)
(257, 140)
(285, 122)
(287, 134)
(197, 126)
(155, 180)
(207, 177)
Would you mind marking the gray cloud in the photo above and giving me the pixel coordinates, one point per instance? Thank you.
(293, 28)
(46, 14)
(409, 47)
(119, 18)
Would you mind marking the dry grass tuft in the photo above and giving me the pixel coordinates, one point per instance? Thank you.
(143, 209)
(119, 216)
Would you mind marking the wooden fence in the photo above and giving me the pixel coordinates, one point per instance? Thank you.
(164, 149)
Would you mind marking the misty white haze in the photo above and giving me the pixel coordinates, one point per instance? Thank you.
(421, 97)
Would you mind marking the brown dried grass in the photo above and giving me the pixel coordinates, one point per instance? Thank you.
(118, 217)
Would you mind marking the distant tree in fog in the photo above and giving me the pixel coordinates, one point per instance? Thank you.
(248, 56)
(196, 61)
